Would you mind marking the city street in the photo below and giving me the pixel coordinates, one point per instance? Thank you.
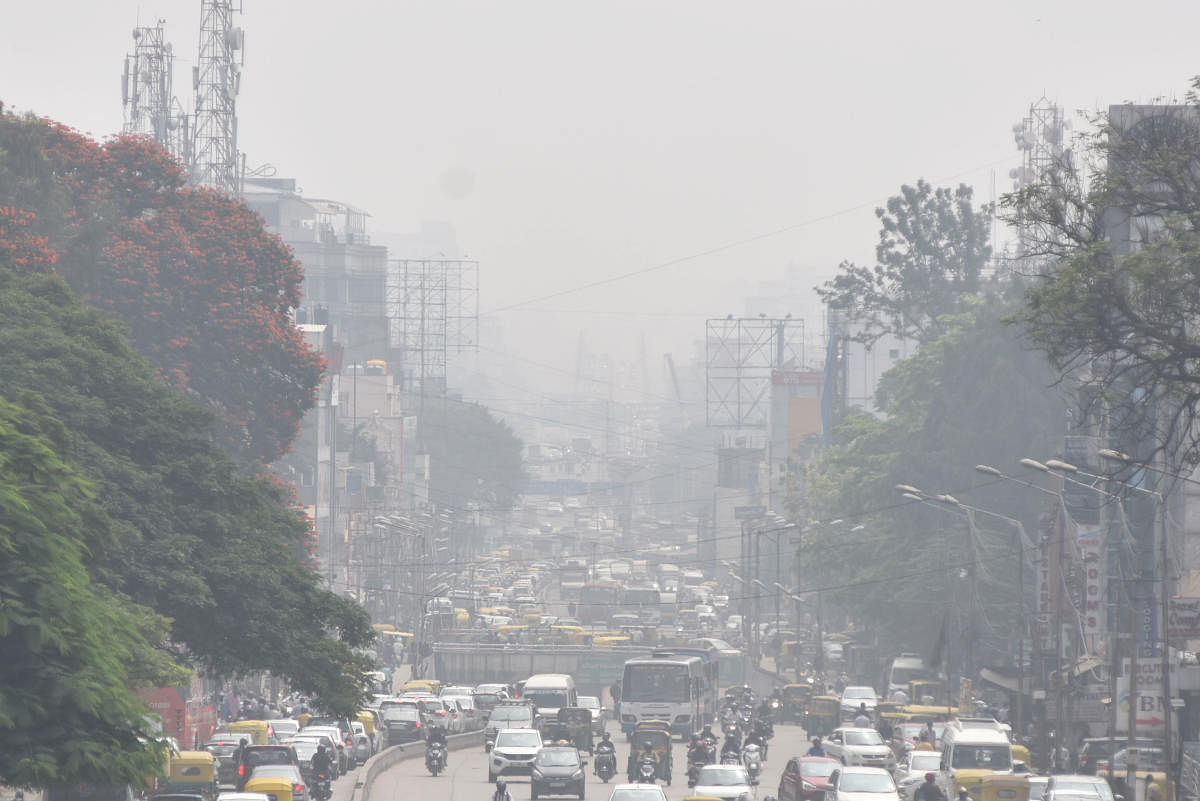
(467, 778)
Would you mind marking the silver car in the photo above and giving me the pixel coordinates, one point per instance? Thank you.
(593, 703)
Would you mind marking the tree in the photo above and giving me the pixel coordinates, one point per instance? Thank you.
(66, 711)
(973, 394)
(205, 291)
(1115, 255)
(933, 246)
(474, 458)
(183, 530)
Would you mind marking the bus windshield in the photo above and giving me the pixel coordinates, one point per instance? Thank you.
(547, 699)
(655, 683)
(982, 757)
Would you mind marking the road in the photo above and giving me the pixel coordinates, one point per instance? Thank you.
(467, 777)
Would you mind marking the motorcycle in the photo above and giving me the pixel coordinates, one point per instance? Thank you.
(730, 730)
(752, 761)
(322, 788)
(435, 759)
(489, 742)
(606, 765)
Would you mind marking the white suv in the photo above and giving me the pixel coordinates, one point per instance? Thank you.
(513, 752)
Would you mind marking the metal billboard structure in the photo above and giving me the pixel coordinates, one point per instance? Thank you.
(432, 309)
(741, 354)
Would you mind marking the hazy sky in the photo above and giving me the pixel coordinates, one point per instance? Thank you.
(605, 137)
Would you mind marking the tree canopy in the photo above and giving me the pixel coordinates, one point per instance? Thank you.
(66, 713)
(933, 246)
(973, 393)
(473, 457)
(1114, 249)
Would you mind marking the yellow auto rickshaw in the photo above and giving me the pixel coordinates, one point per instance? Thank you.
(609, 640)
(383, 628)
(656, 734)
(824, 715)
(258, 732)
(421, 685)
(303, 718)
(512, 632)
(273, 787)
(1020, 753)
(367, 719)
(578, 722)
(192, 772)
(569, 635)
(1000, 787)
(921, 689)
(795, 701)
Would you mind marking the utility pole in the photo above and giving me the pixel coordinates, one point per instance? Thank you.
(1164, 609)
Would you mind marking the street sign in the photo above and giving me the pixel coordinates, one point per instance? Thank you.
(1183, 619)
(749, 512)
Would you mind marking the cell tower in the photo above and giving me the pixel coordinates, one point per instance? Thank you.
(215, 80)
(1040, 137)
(432, 309)
(147, 92)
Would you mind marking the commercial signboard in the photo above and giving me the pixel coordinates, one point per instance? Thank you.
(1183, 619)
(1152, 708)
(1091, 551)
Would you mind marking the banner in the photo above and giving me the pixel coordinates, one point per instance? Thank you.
(1183, 619)
(1092, 555)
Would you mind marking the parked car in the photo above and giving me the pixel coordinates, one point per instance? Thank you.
(557, 770)
(859, 783)
(852, 746)
(804, 778)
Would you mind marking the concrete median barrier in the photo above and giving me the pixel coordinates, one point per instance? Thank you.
(388, 757)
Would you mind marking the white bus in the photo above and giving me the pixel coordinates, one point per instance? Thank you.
(667, 687)
(549, 692)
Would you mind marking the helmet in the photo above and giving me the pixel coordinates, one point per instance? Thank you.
(606, 736)
(500, 785)
(816, 741)
(321, 749)
(648, 747)
(929, 777)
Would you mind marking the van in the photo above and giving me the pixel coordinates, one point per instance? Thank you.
(550, 692)
(969, 754)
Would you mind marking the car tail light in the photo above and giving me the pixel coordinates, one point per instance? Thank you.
(241, 770)
(296, 788)
(418, 724)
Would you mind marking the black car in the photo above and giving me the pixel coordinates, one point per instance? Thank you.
(403, 724)
(224, 750)
(254, 756)
(557, 770)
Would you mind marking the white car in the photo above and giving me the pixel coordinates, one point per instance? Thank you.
(513, 752)
(727, 782)
(910, 773)
(855, 783)
(853, 746)
(637, 792)
(854, 697)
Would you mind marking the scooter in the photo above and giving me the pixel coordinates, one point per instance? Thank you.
(606, 765)
(646, 771)
(322, 789)
(752, 760)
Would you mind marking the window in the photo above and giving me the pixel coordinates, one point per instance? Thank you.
(894, 354)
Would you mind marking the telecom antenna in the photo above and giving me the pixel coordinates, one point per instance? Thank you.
(215, 80)
(147, 92)
(1041, 138)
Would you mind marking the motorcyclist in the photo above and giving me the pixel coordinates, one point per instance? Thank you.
(929, 791)
(606, 747)
(963, 795)
(698, 750)
(321, 762)
(437, 736)
(501, 793)
(707, 734)
(732, 747)
(863, 719)
(817, 749)
(647, 755)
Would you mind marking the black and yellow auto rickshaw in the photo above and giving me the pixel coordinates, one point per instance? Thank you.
(577, 721)
(656, 734)
(555, 732)
(795, 701)
(1002, 787)
(193, 772)
(824, 715)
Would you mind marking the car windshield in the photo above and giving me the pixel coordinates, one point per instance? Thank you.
(638, 794)
(821, 768)
(550, 699)
(866, 783)
(268, 756)
(925, 761)
(519, 739)
(1099, 788)
(558, 757)
(278, 771)
(721, 776)
(857, 693)
(863, 738)
(510, 713)
(982, 757)
(220, 750)
(589, 702)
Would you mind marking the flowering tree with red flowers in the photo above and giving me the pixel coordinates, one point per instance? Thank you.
(204, 289)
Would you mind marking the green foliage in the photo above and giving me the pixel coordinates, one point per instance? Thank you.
(184, 531)
(474, 458)
(66, 712)
(973, 394)
(1115, 241)
(933, 246)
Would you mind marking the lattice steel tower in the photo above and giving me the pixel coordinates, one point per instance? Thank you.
(147, 93)
(432, 308)
(1041, 139)
(216, 79)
